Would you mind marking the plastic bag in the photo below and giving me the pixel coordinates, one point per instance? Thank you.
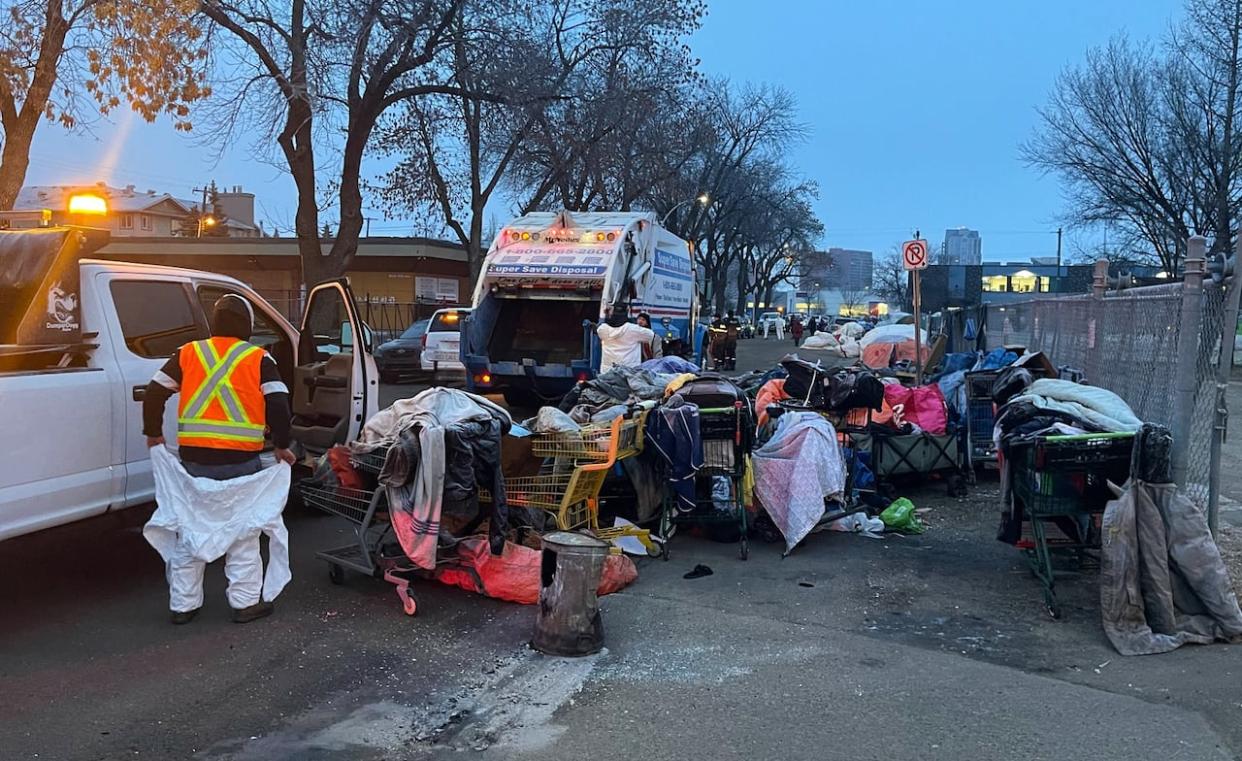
(900, 516)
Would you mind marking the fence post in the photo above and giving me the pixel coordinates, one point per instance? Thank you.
(1099, 278)
(1224, 368)
(1186, 382)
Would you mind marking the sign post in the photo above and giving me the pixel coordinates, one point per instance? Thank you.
(914, 259)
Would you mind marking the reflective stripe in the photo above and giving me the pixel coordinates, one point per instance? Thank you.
(245, 431)
(274, 387)
(232, 407)
(215, 375)
(165, 380)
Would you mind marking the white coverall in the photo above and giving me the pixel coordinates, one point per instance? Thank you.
(778, 324)
(197, 520)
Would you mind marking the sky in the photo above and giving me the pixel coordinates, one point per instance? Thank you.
(916, 111)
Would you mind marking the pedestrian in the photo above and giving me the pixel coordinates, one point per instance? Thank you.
(732, 328)
(780, 327)
(621, 341)
(812, 325)
(795, 330)
(655, 349)
(231, 391)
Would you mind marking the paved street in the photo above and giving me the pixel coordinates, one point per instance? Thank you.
(924, 647)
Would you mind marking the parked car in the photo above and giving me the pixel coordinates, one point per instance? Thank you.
(402, 357)
(442, 344)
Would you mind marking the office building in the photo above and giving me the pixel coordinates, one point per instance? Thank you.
(962, 246)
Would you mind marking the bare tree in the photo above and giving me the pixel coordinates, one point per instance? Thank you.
(69, 61)
(517, 63)
(889, 279)
(314, 68)
(1146, 138)
(854, 298)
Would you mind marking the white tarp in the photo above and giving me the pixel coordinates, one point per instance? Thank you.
(207, 516)
(888, 334)
(796, 470)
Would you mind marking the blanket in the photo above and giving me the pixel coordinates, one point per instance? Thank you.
(796, 470)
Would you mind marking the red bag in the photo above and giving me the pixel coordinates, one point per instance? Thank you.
(514, 574)
(343, 467)
(923, 406)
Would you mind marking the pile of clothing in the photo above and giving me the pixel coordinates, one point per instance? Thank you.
(443, 445)
(1051, 407)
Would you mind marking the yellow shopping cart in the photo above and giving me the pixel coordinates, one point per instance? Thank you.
(575, 467)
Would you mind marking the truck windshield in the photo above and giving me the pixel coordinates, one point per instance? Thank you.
(548, 332)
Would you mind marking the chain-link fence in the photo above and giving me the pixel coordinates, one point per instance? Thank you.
(387, 319)
(1130, 342)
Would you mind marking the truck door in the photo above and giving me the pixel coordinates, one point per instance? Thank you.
(336, 384)
(153, 316)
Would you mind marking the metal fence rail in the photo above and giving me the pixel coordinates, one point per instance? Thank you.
(1131, 342)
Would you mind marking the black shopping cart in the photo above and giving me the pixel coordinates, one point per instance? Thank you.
(1061, 485)
(727, 434)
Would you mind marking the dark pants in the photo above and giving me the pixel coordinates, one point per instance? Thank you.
(224, 472)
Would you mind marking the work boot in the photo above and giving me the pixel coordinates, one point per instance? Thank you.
(184, 616)
(252, 613)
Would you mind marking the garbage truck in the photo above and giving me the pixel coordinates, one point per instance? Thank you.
(550, 277)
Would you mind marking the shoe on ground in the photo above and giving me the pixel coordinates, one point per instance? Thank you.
(253, 613)
(180, 617)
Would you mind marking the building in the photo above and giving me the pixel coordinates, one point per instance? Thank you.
(136, 213)
(842, 269)
(387, 271)
(962, 246)
(850, 269)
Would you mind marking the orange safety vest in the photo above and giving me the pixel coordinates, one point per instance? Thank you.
(222, 405)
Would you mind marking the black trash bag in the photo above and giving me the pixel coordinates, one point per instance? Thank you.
(1010, 382)
(806, 383)
(852, 389)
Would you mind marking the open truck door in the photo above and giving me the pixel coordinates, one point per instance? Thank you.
(336, 384)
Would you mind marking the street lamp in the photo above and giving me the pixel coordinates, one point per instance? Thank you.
(205, 221)
(703, 198)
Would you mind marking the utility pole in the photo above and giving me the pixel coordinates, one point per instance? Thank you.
(202, 208)
(368, 220)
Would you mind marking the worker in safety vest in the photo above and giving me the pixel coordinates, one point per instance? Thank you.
(231, 394)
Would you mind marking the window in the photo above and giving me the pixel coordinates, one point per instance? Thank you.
(127, 221)
(448, 322)
(995, 283)
(266, 333)
(145, 221)
(156, 317)
(327, 322)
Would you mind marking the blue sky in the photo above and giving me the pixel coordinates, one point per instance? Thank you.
(916, 111)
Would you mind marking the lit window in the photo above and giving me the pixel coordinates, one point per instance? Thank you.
(995, 283)
(127, 221)
(1045, 284)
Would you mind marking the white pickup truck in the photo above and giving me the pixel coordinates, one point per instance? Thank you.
(71, 413)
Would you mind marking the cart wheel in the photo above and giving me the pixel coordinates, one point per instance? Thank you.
(409, 604)
(336, 574)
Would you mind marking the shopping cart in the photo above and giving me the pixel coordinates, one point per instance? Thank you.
(576, 464)
(1061, 483)
(374, 551)
(727, 434)
(980, 419)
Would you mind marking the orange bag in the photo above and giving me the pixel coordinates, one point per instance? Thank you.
(514, 574)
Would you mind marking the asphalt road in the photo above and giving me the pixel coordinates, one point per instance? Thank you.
(851, 648)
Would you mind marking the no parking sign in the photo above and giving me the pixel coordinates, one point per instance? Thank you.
(914, 254)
